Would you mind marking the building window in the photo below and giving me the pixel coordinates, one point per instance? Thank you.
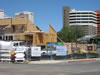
(9, 38)
(98, 14)
(0, 37)
(64, 10)
(98, 20)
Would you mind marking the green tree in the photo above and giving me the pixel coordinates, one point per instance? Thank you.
(70, 33)
(78, 31)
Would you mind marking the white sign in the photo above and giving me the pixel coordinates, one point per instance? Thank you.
(61, 51)
(20, 55)
(36, 51)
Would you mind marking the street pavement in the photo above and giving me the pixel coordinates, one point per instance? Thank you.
(61, 68)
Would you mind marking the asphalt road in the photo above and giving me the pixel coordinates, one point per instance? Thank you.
(76, 68)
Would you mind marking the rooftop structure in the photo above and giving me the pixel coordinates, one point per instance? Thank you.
(27, 14)
(2, 15)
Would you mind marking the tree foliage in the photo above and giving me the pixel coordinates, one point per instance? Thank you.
(70, 33)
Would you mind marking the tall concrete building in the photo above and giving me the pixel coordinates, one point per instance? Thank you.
(98, 21)
(27, 14)
(66, 11)
(86, 19)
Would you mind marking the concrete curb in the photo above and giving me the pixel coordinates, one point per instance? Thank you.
(85, 60)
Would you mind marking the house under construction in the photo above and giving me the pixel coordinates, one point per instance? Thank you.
(21, 29)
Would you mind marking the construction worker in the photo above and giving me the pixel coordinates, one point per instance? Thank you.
(12, 56)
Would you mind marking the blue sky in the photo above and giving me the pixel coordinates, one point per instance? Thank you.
(47, 11)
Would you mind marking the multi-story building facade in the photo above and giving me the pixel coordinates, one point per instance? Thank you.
(86, 19)
(98, 21)
(27, 14)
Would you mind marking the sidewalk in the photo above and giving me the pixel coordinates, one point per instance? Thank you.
(58, 61)
(63, 61)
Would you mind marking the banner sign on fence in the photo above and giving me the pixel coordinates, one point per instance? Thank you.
(51, 46)
(36, 51)
(61, 51)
